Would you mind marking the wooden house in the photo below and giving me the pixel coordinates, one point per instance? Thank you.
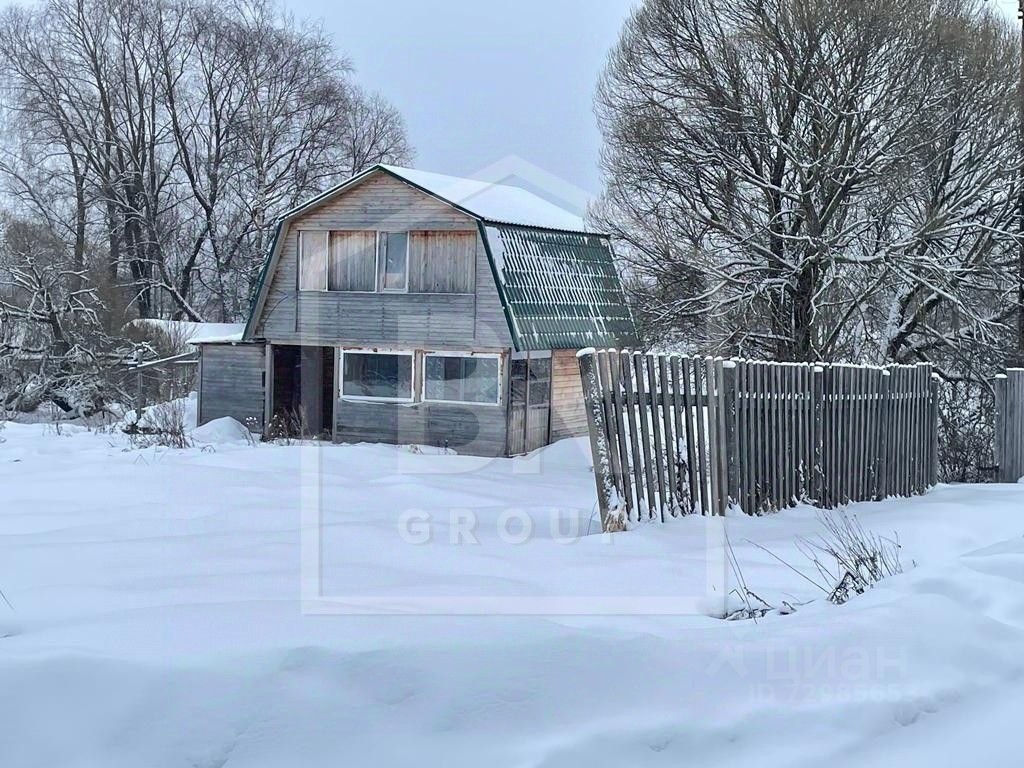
(414, 308)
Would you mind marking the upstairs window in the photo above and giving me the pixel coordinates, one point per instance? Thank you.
(394, 260)
(312, 260)
(442, 262)
(367, 261)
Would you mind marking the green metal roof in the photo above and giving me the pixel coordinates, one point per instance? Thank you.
(560, 289)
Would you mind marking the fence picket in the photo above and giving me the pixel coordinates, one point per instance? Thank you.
(619, 438)
(681, 385)
(700, 415)
(713, 435)
(651, 488)
(657, 448)
(667, 412)
(626, 368)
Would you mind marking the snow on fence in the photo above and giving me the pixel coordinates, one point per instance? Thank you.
(1009, 447)
(158, 381)
(674, 435)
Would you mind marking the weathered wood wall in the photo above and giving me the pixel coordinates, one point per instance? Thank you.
(232, 382)
(478, 430)
(568, 411)
(470, 320)
(529, 411)
(673, 435)
(1009, 448)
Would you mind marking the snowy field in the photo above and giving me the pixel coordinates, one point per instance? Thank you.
(158, 618)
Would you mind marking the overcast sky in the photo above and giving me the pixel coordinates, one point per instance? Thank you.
(479, 80)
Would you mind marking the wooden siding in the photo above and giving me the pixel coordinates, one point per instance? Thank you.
(442, 262)
(470, 429)
(232, 382)
(568, 411)
(353, 261)
(471, 321)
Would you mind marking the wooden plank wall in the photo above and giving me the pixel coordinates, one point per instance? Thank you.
(1009, 448)
(675, 435)
(471, 320)
(232, 382)
(477, 430)
(568, 412)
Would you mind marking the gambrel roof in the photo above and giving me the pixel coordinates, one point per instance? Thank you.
(557, 280)
(560, 289)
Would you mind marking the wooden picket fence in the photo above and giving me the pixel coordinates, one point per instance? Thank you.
(1009, 437)
(674, 435)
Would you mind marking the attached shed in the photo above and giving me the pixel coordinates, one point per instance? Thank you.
(411, 307)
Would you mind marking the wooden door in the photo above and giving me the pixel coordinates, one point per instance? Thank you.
(529, 405)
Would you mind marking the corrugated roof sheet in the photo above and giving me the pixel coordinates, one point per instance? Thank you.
(493, 202)
(560, 289)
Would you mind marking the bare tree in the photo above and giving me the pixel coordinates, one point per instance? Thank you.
(51, 325)
(806, 180)
(152, 145)
(181, 130)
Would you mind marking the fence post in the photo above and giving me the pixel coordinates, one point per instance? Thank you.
(884, 428)
(933, 424)
(729, 415)
(999, 390)
(611, 517)
(1010, 425)
(817, 432)
(1014, 431)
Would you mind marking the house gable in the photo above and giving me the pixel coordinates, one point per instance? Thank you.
(377, 201)
(536, 288)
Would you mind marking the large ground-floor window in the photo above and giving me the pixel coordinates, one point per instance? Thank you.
(461, 378)
(377, 376)
(441, 377)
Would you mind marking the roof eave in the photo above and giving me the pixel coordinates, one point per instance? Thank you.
(521, 225)
(262, 286)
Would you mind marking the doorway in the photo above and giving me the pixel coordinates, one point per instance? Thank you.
(529, 404)
(302, 399)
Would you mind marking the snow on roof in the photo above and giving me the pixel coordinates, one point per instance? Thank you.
(197, 333)
(493, 202)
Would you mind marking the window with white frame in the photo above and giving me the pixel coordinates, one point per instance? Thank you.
(461, 378)
(377, 376)
(393, 252)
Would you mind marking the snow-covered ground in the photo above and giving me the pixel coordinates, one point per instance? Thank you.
(159, 618)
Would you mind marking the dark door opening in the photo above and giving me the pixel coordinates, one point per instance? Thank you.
(302, 402)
